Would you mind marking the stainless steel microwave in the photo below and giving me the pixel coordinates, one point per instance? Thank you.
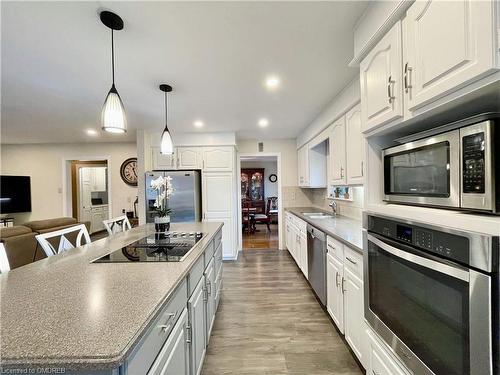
(456, 169)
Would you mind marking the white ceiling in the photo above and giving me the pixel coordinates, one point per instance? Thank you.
(56, 66)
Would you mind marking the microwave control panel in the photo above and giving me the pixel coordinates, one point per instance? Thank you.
(473, 164)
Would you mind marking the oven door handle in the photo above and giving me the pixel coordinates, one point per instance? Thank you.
(421, 261)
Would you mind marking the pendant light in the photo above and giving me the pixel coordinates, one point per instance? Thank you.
(166, 144)
(113, 118)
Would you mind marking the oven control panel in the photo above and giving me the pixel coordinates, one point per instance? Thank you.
(441, 243)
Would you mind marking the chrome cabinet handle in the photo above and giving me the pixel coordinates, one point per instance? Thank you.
(209, 289)
(337, 279)
(407, 77)
(375, 372)
(341, 172)
(350, 260)
(188, 334)
(362, 169)
(343, 289)
(166, 327)
(390, 89)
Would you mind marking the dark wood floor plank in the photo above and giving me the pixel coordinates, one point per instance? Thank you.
(269, 322)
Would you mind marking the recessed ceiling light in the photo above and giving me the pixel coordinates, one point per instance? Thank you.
(91, 132)
(263, 122)
(272, 82)
(198, 124)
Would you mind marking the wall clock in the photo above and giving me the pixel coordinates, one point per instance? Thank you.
(273, 178)
(128, 171)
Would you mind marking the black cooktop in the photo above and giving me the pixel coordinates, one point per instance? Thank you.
(157, 247)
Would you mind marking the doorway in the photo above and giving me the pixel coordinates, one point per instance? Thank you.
(260, 197)
(90, 197)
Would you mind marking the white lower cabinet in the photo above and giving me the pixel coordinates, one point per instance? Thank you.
(210, 288)
(335, 297)
(354, 326)
(381, 362)
(345, 298)
(174, 356)
(197, 323)
(296, 241)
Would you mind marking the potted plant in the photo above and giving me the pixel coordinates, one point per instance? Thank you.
(163, 187)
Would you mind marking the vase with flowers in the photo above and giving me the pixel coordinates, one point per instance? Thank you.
(163, 187)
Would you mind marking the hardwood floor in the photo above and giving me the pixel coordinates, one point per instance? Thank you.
(263, 239)
(269, 322)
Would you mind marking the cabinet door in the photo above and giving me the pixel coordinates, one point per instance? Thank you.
(160, 161)
(303, 253)
(381, 75)
(442, 56)
(99, 179)
(217, 193)
(174, 356)
(197, 322)
(354, 314)
(337, 153)
(303, 165)
(210, 298)
(218, 159)
(381, 362)
(355, 146)
(188, 158)
(335, 297)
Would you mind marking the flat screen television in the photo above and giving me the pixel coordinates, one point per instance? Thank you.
(15, 194)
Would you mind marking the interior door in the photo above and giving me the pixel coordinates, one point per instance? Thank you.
(446, 45)
(381, 75)
(84, 194)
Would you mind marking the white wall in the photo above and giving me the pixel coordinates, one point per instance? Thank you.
(44, 163)
(270, 167)
(345, 100)
(288, 150)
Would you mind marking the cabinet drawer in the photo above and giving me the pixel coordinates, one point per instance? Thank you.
(381, 363)
(353, 261)
(335, 247)
(218, 259)
(158, 332)
(209, 252)
(196, 274)
(218, 239)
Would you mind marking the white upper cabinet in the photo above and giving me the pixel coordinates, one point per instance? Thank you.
(189, 158)
(381, 80)
(303, 162)
(338, 153)
(218, 159)
(446, 45)
(355, 143)
(161, 161)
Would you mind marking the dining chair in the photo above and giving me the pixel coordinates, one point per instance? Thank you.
(117, 224)
(64, 243)
(4, 261)
(246, 219)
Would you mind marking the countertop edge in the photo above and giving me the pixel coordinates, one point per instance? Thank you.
(295, 211)
(115, 360)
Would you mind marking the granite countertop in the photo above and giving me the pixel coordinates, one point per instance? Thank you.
(346, 230)
(65, 311)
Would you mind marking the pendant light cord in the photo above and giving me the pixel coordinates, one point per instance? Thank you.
(112, 57)
(166, 111)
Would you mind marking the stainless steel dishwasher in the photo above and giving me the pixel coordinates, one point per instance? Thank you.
(316, 262)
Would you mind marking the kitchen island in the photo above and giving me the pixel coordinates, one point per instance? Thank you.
(67, 313)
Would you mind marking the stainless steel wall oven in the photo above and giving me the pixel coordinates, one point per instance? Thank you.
(432, 295)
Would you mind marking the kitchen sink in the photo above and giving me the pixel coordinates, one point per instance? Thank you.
(317, 215)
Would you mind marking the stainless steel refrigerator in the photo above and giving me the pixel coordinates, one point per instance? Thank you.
(185, 201)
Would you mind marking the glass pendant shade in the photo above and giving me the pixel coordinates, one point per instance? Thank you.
(166, 145)
(113, 118)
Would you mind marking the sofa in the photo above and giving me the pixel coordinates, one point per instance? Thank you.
(20, 242)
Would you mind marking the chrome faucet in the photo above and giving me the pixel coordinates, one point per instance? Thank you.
(333, 205)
